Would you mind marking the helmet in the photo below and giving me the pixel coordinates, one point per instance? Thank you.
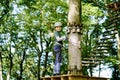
(57, 24)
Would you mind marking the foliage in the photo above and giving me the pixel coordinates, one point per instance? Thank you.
(25, 41)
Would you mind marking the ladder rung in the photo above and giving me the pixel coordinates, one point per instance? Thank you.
(100, 52)
(106, 42)
(89, 62)
(87, 65)
(111, 26)
(108, 38)
(93, 59)
(114, 6)
(110, 31)
(104, 46)
(109, 34)
(112, 21)
(102, 49)
(95, 55)
(114, 18)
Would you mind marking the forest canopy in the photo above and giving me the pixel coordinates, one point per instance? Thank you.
(26, 44)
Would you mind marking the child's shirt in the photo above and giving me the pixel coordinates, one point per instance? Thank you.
(58, 38)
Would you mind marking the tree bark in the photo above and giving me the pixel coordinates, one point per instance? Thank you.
(10, 66)
(118, 46)
(38, 66)
(21, 64)
(46, 55)
(10, 61)
(45, 64)
(74, 35)
(39, 56)
(38, 63)
(1, 66)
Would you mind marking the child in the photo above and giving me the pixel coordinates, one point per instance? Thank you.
(57, 47)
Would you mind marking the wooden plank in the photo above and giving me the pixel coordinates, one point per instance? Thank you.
(111, 22)
(56, 77)
(64, 78)
(110, 42)
(46, 78)
(73, 77)
(93, 59)
(108, 26)
(106, 38)
(89, 65)
(110, 18)
(109, 34)
(112, 26)
(94, 55)
(103, 49)
(111, 30)
(89, 62)
(100, 46)
(114, 18)
(113, 6)
(81, 77)
(100, 52)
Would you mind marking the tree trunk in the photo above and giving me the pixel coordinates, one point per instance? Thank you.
(45, 64)
(10, 67)
(38, 63)
(38, 66)
(1, 66)
(10, 64)
(21, 64)
(118, 46)
(8, 76)
(39, 56)
(46, 55)
(74, 35)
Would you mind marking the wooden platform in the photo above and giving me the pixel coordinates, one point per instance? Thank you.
(73, 77)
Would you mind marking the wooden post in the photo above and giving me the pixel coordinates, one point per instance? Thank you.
(74, 35)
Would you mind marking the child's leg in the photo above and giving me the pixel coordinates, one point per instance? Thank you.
(57, 64)
(58, 55)
(54, 71)
(58, 68)
(57, 50)
(60, 58)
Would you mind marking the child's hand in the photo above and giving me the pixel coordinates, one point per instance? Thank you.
(63, 37)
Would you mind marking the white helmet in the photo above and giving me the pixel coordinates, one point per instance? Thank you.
(58, 24)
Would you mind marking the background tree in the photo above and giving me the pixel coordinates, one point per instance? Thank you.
(25, 28)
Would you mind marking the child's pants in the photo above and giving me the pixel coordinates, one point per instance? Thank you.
(57, 62)
(56, 68)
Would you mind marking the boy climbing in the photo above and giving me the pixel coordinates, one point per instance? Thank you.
(57, 47)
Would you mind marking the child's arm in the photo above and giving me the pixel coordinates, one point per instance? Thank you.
(60, 38)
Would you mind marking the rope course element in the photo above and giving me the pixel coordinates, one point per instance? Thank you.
(105, 43)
